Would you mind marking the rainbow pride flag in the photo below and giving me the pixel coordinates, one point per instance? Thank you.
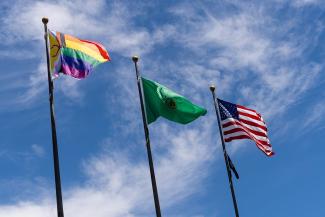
(73, 56)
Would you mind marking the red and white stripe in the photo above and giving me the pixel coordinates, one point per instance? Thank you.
(249, 126)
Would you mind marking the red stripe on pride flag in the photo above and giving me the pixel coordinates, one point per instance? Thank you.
(100, 48)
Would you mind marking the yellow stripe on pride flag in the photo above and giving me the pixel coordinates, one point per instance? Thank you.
(89, 51)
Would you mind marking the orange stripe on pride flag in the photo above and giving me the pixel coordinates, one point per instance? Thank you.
(89, 47)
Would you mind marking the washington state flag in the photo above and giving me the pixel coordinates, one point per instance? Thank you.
(161, 101)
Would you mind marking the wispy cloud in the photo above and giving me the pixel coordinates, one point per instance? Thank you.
(302, 3)
(118, 187)
(18, 54)
(35, 151)
(38, 150)
(314, 116)
(114, 27)
(251, 44)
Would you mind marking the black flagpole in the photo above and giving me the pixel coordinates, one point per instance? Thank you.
(146, 132)
(54, 138)
(212, 88)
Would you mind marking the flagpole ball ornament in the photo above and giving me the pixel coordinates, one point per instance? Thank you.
(45, 20)
(135, 59)
(212, 87)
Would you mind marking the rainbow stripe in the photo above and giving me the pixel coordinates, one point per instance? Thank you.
(73, 56)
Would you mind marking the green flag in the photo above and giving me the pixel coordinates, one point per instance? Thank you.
(160, 101)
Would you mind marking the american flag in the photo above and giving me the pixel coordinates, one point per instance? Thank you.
(239, 122)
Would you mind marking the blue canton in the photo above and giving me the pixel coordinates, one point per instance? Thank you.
(227, 110)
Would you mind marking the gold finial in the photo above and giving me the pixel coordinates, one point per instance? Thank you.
(45, 20)
(135, 59)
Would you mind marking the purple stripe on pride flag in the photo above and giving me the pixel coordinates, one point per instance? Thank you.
(75, 67)
(66, 69)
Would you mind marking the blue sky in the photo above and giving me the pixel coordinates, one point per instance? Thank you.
(266, 55)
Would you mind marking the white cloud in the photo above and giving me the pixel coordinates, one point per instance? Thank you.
(27, 210)
(37, 82)
(112, 24)
(249, 44)
(23, 22)
(38, 150)
(119, 187)
(302, 3)
(69, 87)
(18, 54)
(314, 116)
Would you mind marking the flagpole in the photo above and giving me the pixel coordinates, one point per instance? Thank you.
(212, 88)
(146, 132)
(53, 127)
